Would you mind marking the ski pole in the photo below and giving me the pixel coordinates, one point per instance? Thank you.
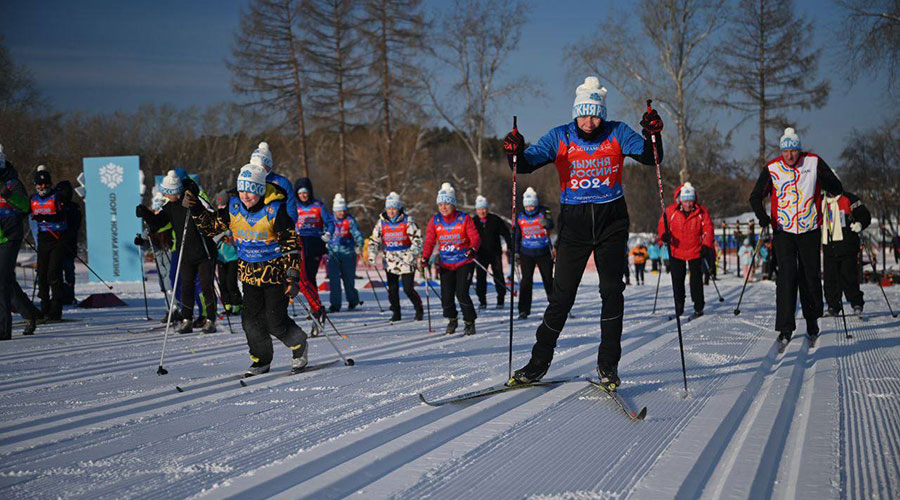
(140, 244)
(218, 294)
(369, 277)
(321, 325)
(83, 262)
(156, 261)
(427, 299)
(869, 251)
(380, 278)
(721, 299)
(161, 370)
(737, 309)
(662, 205)
(512, 256)
(479, 264)
(658, 279)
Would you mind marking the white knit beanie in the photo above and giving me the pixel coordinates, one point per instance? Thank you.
(262, 156)
(481, 202)
(687, 192)
(790, 139)
(393, 201)
(171, 184)
(446, 194)
(590, 99)
(339, 203)
(252, 179)
(530, 198)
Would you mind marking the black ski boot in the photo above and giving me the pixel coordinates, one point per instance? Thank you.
(698, 313)
(300, 359)
(858, 311)
(532, 372)
(451, 326)
(482, 306)
(419, 312)
(256, 368)
(199, 322)
(469, 328)
(30, 326)
(395, 316)
(186, 326)
(609, 376)
(831, 312)
(523, 315)
(209, 326)
(783, 339)
(499, 303)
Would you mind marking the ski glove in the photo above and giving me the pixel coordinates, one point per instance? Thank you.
(293, 283)
(765, 221)
(513, 144)
(856, 227)
(470, 253)
(190, 186)
(189, 200)
(326, 236)
(666, 237)
(139, 241)
(651, 122)
(141, 211)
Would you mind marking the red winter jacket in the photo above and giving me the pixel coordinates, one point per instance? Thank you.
(690, 230)
(470, 239)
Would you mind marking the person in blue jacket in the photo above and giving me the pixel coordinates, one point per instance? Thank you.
(533, 247)
(344, 248)
(589, 154)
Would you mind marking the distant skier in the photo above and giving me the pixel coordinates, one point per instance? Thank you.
(48, 210)
(844, 218)
(397, 234)
(454, 235)
(344, 248)
(745, 258)
(531, 234)
(691, 230)
(314, 225)
(639, 256)
(653, 255)
(491, 229)
(589, 153)
(227, 263)
(794, 181)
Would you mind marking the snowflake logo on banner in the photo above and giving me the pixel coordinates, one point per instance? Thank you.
(111, 175)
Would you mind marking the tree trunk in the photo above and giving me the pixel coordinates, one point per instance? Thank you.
(298, 91)
(761, 58)
(681, 124)
(386, 96)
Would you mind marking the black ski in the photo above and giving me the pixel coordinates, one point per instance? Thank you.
(309, 368)
(620, 402)
(494, 389)
(208, 383)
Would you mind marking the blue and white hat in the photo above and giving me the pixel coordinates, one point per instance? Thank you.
(481, 202)
(446, 194)
(687, 192)
(790, 140)
(252, 179)
(590, 99)
(2, 158)
(262, 156)
(530, 198)
(339, 204)
(171, 184)
(393, 201)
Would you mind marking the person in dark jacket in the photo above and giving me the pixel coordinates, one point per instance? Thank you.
(490, 254)
(844, 217)
(14, 206)
(70, 241)
(794, 182)
(48, 210)
(197, 252)
(531, 236)
(589, 154)
(314, 224)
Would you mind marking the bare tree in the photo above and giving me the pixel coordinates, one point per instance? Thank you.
(471, 43)
(870, 35)
(678, 32)
(767, 65)
(267, 62)
(872, 167)
(395, 31)
(336, 68)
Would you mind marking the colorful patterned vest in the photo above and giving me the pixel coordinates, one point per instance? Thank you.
(796, 196)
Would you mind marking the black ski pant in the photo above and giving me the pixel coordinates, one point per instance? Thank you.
(799, 260)
(68, 274)
(455, 284)
(409, 288)
(841, 274)
(639, 273)
(311, 268)
(51, 252)
(679, 268)
(495, 264)
(11, 294)
(228, 283)
(544, 264)
(265, 316)
(601, 229)
(202, 270)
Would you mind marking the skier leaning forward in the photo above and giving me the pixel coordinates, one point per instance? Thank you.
(270, 265)
(589, 153)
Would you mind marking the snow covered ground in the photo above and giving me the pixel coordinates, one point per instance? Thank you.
(83, 413)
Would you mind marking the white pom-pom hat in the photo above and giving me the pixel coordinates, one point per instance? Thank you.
(590, 99)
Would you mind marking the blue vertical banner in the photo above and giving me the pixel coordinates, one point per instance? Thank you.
(112, 188)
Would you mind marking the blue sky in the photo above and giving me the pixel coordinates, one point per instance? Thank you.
(100, 56)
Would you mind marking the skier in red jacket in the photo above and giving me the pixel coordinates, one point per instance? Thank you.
(691, 230)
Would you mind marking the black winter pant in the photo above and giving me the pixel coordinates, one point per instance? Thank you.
(51, 252)
(798, 268)
(311, 268)
(679, 268)
(601, 229)
(409, 288)
(264, 314)
(11, 294)
(544, 264)
(228, 283)
(190, 273)
(841, 274)
(639, 272)
(495, 264)
(455, 285)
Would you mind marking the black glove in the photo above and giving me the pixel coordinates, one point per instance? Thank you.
(139, 241)
(513, 144)
(141, 211)
(293, 283)
(189, 200)
(6, 193)
(765, 221)
(666, 237)
(190, 186)
(651, 122)
(471, 253)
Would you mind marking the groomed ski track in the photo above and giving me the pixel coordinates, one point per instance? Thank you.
(84, 414)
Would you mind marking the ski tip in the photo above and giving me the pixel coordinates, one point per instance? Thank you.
(179, 389)
(350, 362)
(423, 400)
(641, 414)
(243, 384)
